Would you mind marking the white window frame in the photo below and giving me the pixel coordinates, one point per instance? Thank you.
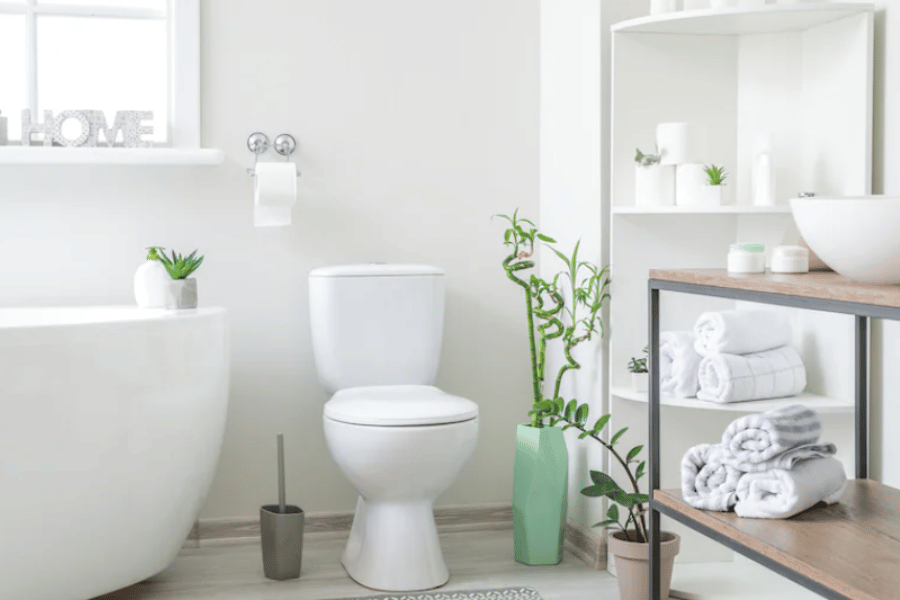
(183, 16)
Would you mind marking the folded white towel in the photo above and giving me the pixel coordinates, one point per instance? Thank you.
(761, 437)
(782, 493)
(678, 363)
(785, 460)
(707, 481)
(726, 378)
(741, 332)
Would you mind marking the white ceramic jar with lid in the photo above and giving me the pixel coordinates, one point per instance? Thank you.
(790, 259)
(747, 258)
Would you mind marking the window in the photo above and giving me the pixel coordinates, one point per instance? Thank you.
(107, 55)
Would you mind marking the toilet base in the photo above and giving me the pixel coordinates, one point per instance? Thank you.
(394, 547)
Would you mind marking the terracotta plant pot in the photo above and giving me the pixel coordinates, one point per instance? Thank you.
(540, 495)
(633, 565)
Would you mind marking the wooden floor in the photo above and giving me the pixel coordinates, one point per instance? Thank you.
(477, 560)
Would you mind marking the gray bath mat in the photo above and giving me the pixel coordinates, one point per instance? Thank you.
(526, 593)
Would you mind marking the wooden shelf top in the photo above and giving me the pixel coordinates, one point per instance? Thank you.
(852, 547)
(821, 285)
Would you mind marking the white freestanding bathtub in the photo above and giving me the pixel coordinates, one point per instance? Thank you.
(111, 421)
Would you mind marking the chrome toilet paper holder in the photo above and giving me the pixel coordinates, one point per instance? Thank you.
(258, 143)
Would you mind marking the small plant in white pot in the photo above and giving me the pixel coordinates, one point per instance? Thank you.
(151, 280)
(654, 184)
(712, 193)
(640, 377)
(181, 290)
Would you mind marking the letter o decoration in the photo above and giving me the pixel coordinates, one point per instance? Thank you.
(85, 128)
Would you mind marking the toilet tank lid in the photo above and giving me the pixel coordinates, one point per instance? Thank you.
(397, 405)
(376, 270)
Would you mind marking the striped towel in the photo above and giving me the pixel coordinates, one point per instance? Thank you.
(708, 482)
(786, 460)
(761, 437)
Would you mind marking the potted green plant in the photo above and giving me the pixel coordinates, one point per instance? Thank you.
(654, 183)
(630, 545)
(540, 480)
(181, 290)
(712, 193)
(639, 374)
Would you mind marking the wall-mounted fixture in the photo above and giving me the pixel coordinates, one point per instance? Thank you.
(275, 183)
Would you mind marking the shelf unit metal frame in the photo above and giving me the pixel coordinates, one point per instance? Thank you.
(861, 312)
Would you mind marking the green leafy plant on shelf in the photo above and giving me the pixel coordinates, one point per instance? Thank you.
(178, 266)
(639, 365)
(547, 303)
(575, 416)
(716, 175)
(646, 160)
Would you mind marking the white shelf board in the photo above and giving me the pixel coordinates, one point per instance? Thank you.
(822, 404)
(41, 155)
(772, 18)
(701, 210)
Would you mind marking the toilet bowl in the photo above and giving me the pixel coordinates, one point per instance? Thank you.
(377, 332)
(400, 447)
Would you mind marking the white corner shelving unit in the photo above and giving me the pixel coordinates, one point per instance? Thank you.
(802, 71)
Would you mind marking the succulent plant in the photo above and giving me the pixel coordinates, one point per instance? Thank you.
(717, 175)
(639, 365)
(178, 266)
(645, 160)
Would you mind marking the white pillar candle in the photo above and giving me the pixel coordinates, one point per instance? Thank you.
(690, 181)
(681, 143)
(654, 185)
(659, 7)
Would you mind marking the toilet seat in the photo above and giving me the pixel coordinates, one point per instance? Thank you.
(398, 405)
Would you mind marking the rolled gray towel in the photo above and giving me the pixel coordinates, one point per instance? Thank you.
(761, 437)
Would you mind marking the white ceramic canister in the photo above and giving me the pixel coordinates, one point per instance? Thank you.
(790, 259)
(150, 283)
(747, 258)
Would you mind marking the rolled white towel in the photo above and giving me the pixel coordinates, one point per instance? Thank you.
(727, 378)
(761, 437)
(785, 460)
(741, 332)
(783, 493)
(708, 482)
(679, 363)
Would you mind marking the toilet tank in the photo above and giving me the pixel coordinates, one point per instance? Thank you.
(376, 324)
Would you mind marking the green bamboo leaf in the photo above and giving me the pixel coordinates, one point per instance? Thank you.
(561, 405)
(592, 491)
(605, 523)
(613, 513)
(581, 415)
(571, 407)
(545, 238)
(600, 424)
(633, 452)
(616, 437)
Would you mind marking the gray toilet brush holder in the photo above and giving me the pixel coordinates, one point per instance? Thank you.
(281, 527)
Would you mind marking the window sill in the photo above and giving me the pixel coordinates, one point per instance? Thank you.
(40, 155)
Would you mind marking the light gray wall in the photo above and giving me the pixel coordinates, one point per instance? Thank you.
(416, 122)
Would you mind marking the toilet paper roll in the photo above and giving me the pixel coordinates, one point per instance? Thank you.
(690, 182)
(275, 192)
(681, 143)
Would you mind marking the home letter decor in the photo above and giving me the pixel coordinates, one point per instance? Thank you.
(58, 123)
(29, 128)
(134, 130)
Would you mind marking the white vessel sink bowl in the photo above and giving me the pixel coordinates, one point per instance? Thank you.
(857, 237)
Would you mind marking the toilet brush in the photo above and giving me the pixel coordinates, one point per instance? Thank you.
(281, 527)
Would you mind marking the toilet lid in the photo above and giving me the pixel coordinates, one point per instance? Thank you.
(397, 405)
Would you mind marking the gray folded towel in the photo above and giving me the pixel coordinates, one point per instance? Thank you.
(755, 439)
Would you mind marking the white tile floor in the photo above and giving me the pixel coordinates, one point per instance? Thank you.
(477, 560)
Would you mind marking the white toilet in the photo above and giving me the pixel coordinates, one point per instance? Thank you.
(376, 332)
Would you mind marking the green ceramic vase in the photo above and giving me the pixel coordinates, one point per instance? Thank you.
(540, 495)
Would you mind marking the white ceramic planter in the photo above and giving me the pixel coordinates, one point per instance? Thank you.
(660, 7)
(711, 195)
(640, 382)
(689, 183)
(150, 281)
(654, 186)
(181, 293)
